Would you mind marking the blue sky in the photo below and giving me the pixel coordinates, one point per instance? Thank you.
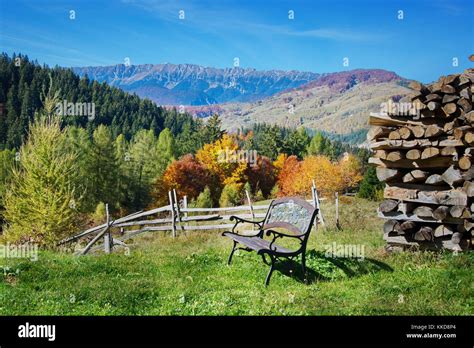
(421, 46)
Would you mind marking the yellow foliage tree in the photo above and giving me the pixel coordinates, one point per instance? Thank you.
(296, 176)
(221, 160)
(350, 170)
(279, 163)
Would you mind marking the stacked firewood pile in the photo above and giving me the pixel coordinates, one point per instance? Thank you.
(423, 147)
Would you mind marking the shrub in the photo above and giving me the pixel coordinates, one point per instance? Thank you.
(370, 187)
(231, 195)
(204, 199)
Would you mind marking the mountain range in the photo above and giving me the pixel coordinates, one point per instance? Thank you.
(189, 84)
(337, 102)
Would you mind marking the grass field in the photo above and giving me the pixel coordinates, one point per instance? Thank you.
(188, 275)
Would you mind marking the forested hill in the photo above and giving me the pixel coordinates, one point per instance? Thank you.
(22, 83)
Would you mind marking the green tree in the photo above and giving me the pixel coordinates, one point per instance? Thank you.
(204, 199)
(231, 195)
(78, 142)
(268, 141)
(7, 163)
(317, 146)
(212, 131)
(104, 168)
(41, 204)
(166, 148)
(370, 186)
(296, 142)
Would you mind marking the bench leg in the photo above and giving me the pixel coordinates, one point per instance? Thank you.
(267, 280)
(232, 253)
(303, 264)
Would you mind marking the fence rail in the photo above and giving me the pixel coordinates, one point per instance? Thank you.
(178, 219)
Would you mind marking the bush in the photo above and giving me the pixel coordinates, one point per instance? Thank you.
(259, 196)
(370, 186)
(99, 215)
(204, 199)
(231, 195)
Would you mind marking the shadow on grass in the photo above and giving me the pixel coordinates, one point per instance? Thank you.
(320, 267)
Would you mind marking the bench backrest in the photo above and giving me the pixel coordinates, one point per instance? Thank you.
(291, 213)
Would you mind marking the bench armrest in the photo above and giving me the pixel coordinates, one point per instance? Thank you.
(277, 234)
(239, 220)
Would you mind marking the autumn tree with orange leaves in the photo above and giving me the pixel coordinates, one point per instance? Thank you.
(187, 176)
(296, 176)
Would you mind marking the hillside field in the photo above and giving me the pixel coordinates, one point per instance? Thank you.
(188, 275)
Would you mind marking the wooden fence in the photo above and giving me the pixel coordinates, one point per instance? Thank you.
(178, 217)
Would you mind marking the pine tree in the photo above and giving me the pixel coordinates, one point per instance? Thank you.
(370, 186)
(296, 142)
(15, 130)
(317, 145)
(103, 165)
(7, 163)
(231, 195)
(41, 205)
(166, 149)
(212, 130)
(204, 200)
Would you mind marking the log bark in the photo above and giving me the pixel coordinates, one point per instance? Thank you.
(456, 237)
(413, 154)
(435, 179)
(464, 162)
(448, 151)
(469, 138)
(387, 174)
(429, 152)
(408, 226)
(441, 212)
(405, 133)
(380, 154)
(391, 226)
(456, 211)
(394, 135)
(452, 176)
(433, 131)
(442, 230)
(468, 187)
(424, 233)
(417, 131)
(388, 205)
(394, 156)
(377, 132)
(423, 212)
(415, 176)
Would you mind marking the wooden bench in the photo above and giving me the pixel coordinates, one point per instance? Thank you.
(292, 214)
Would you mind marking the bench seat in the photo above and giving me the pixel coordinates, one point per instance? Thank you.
(256, 243)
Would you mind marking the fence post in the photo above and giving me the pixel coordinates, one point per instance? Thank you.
(173, 218)
(107, 235)
(338, 226)
(178, 209)
(317, 204)
(250, 207)
(185, 205)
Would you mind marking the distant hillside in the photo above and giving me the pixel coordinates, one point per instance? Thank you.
(337, 103)
(187, 84)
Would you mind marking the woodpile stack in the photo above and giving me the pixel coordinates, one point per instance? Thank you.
(423, 147)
